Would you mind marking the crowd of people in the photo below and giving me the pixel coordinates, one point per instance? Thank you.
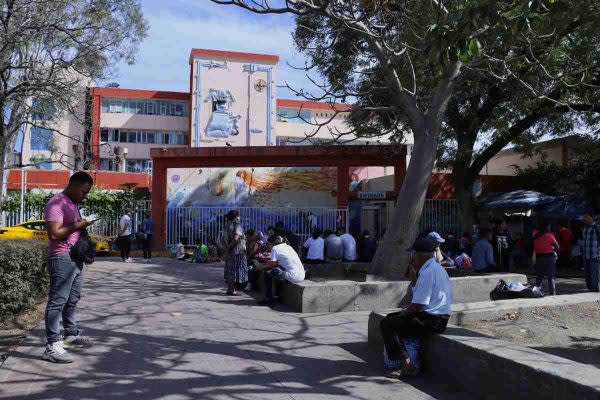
(247, 254)
(571, 246)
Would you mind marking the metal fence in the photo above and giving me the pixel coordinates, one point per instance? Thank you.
(206, 223)
(104, 227)
(110, 228)
(441, 216)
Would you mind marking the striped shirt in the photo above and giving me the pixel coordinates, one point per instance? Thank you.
(591, 241)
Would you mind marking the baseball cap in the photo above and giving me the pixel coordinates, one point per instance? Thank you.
(436, 236)
(425, 245)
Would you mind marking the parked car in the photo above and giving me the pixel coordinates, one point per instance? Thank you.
(36, 230)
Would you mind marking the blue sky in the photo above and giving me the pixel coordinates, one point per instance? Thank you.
(177, 26)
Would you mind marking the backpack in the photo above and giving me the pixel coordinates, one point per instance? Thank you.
(83, 250)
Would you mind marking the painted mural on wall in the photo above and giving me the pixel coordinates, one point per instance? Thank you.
(252, 187)
(222, 122)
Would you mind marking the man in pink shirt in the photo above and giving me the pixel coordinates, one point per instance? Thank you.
(66, 276)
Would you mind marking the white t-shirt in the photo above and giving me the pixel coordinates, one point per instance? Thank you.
(316, 248)
(349, 246)
(125, 223)
(433, 289)
(285, 257)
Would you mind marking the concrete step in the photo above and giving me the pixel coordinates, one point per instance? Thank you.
(335, 295)
(497, 369)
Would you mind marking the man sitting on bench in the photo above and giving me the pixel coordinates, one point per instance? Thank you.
(429, 310)
(284, 265)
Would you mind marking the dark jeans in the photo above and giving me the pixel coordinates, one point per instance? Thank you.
(404, 325)
(124, 243)
(592, 273)
(277, 274)
(147, 247)
(545, 268)
(66, 280)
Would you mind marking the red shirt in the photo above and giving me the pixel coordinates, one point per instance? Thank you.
(544, 243)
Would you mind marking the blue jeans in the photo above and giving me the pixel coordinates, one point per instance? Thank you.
(276, 273)
(592, 273)
(66, 280)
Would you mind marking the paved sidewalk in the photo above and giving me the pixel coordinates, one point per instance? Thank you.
(218, 348)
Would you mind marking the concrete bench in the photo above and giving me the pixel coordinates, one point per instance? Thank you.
(497, 369)
(333, 295)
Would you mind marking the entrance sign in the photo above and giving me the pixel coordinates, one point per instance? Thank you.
(371, 195)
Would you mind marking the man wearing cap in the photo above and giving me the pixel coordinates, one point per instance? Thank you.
(429, 310)
(438, 239)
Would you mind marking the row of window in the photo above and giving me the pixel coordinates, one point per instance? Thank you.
(148, 107)
(301, 116)
(133, 165)
(151, 137)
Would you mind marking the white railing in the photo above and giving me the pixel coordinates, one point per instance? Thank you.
(441, 215)
(206, 223)
(104, 227)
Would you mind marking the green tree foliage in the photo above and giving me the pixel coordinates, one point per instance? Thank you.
(104, 204)
(400, 63)
(581, 175)
(50, 52)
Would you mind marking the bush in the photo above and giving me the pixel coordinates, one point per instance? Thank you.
(23, 275)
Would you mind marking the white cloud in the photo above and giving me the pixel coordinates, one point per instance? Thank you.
(162, 62)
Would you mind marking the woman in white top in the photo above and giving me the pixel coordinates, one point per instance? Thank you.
(315, 247)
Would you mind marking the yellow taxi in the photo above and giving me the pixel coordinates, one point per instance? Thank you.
(37, 230)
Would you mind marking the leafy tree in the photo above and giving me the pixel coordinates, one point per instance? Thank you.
(580, 175)
(400, 62)
(550, 88)
(50, 52)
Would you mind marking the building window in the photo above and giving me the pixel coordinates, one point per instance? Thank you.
(41, 139)
(148, 107)
(142, 137)
(116, 106)
(139, 166)
(293, 115)
(178, 109)
(132, 137)
(42, 110)
(108, 164)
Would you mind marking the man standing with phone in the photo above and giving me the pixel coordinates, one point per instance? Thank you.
(66, 275)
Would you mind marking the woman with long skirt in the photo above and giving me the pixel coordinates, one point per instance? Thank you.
(236, 267)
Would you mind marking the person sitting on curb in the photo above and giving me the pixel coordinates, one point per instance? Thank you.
(334, 247)
(429, 310)
(483, 253)
(348, 244)
(284, 264)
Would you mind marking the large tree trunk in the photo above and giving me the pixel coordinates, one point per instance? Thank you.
(390, 261)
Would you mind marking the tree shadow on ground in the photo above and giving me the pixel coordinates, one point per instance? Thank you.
(144, 352)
